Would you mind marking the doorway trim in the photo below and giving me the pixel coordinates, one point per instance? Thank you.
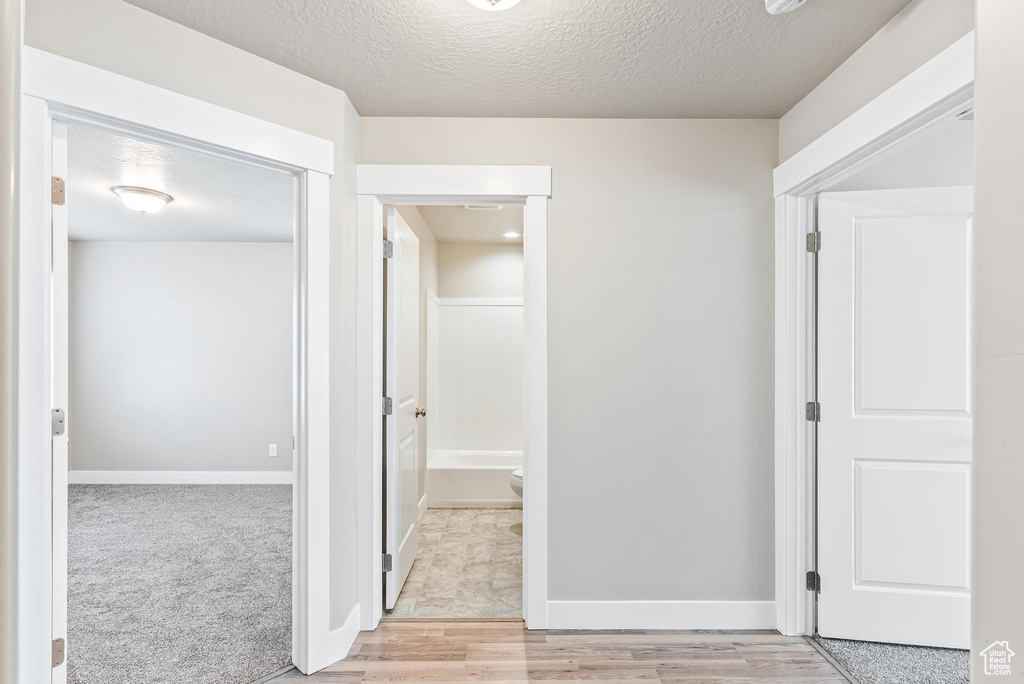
(380, 184)
(57, 88)
(933, 93)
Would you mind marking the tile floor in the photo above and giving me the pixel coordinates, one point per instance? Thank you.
(469, 565)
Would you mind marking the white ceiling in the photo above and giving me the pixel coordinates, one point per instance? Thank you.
(548, 58)
(215, 199)
(458, 224)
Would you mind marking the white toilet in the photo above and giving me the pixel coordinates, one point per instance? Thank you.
(516, 481)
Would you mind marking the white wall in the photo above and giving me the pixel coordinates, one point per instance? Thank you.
(472, 269)
(480, 360)
(181, 355)
(480, 383)
(942, 158)
(428, 282)
(998, 544)
(919, 32)
(661, 314)
(124, 39)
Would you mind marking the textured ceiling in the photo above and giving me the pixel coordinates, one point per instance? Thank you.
(458, 224)
(215, 199)
(548, 58)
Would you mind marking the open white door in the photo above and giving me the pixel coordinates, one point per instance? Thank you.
(402, 374)
(59, 294)
(894, 442)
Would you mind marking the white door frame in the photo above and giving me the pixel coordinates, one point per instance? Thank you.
(55, 88)
(376, 186)
(935, 92)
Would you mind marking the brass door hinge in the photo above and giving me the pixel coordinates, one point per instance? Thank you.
(56, 190)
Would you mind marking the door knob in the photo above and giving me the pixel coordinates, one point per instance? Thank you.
(421, 412)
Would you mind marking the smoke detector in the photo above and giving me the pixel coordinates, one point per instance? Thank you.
(782, 6)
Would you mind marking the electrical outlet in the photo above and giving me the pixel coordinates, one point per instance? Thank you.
(273, 450)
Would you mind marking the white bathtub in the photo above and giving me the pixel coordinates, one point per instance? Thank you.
(468, 479)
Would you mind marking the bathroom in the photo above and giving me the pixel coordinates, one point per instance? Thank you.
(454, 441)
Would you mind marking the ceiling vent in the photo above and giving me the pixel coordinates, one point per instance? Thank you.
(482, 207)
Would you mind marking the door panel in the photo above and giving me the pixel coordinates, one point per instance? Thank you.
(894, 442)
(402, 382)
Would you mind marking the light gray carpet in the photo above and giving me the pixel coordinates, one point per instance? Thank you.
(178, 583)
(874, 663)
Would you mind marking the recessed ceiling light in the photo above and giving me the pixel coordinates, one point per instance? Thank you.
(493, 5)
(511, 234)
(142, 200)
(483, 207)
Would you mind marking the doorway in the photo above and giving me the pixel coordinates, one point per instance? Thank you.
(56, 91)
(453, 440)
(173, 355)
(381, 185)
(893, 412)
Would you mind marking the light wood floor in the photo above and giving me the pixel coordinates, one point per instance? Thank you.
(425, 650)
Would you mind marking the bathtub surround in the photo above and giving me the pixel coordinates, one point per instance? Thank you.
(470, 269)
(469, 565)
(480, 375)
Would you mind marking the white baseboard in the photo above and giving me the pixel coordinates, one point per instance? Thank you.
(180, 477)
(342, 638)
(661, 615)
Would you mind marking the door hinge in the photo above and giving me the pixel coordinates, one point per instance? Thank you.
(387, 562)
(813, 411)
(814, 242)
(56, 653)
(56, 190)
(813, 582)
(57, 422)
(386, 406)
(389, 249)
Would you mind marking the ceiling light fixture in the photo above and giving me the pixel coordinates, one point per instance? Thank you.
(142, 200)
(493, 5)
(511, 234)
(782, 6)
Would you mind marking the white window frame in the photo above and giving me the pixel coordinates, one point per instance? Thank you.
(54, 87)
(380, 184)
(933, 93)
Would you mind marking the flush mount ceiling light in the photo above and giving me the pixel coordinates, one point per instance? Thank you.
(493, 5)
(142, 200)
(511, 234)
(782, 6)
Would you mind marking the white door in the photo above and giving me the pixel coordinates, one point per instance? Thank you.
(894, 441)
(402, 385)
(59, 385)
